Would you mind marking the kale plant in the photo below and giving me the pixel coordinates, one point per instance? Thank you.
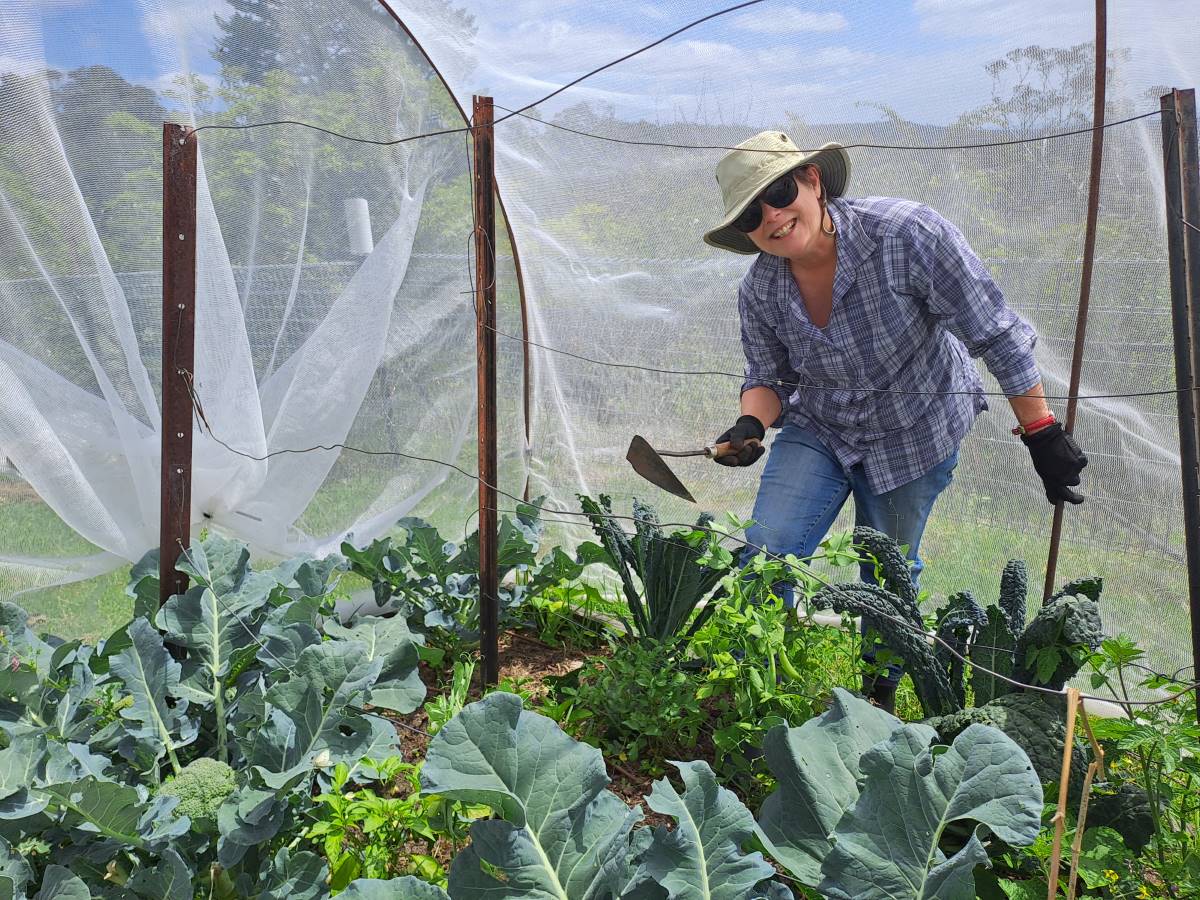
(665, 577)
(1047, 652)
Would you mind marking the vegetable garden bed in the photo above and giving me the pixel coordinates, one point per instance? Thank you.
(245, 741)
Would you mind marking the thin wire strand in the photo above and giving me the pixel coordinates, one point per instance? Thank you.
(800, 568)
(510, 113)
(866, 146)
(469, 127)
(819, 387)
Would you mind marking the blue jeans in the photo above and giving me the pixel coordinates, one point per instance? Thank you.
(804, 487)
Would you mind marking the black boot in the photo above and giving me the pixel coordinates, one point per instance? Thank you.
(880, 692)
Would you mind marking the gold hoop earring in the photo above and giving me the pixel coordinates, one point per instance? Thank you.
(824, 212)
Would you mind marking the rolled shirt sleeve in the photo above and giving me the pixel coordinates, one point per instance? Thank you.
(963, 296)
(767, 363)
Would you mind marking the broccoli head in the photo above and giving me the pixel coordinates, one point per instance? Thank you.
(201, 786)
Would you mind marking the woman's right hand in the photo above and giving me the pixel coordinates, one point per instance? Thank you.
(745, 440)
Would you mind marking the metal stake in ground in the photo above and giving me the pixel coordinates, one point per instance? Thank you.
(483, 189)
(1181, 164)
(178, 350)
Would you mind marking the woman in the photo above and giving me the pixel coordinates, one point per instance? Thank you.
(859, 319)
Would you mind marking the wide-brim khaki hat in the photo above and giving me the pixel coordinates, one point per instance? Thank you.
(747, 169)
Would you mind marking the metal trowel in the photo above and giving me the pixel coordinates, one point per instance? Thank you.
(649, 463)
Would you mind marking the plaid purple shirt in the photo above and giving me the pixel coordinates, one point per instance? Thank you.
(911, 300)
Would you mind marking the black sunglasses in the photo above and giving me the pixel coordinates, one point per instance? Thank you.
(779, 193)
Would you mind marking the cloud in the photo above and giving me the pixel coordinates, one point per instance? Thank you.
(17, 66)
(192, 23)
(55, 4)
(791, 20)
(1068, 23)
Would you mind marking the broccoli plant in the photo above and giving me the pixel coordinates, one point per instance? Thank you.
(847, 780)
(236, 700)
(435, 582)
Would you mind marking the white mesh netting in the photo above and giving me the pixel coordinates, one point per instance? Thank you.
(308, 333)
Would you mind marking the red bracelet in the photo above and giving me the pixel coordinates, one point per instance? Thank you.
(1034, 426)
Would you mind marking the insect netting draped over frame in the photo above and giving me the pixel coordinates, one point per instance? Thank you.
(608, 230)
(333, 302)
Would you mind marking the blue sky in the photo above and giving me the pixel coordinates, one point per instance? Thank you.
(821, 60)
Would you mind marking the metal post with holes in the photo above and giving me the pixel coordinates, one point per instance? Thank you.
(1181, 172)
(178, 351)
(483, 192)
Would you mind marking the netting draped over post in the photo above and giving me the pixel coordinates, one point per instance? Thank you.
(303, 340)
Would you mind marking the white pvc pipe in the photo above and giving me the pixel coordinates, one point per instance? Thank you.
(358, 225)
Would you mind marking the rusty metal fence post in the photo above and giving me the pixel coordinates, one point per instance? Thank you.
(178, 351)
(484, 186)
(1181, 173)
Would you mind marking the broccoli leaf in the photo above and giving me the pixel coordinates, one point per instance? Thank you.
(59, 884)
(817, 770)
(914, 791)
(151, 677)
(398, 686)
(408, 888)
(702, 858)
(562, 835)
(296, 876)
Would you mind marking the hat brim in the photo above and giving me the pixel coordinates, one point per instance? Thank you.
(834, 164)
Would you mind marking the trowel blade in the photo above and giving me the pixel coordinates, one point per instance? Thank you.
(647, 463)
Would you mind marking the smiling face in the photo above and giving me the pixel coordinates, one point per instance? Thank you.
(794, 232)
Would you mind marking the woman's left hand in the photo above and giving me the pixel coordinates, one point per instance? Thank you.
(1058, 461)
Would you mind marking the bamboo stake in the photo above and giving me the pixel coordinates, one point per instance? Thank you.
(1096, 765)
(1060, 815)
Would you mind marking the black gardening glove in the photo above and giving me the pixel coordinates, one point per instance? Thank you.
(745, 439)
(1058, 460)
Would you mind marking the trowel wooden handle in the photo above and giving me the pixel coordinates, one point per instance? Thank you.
(716, 451)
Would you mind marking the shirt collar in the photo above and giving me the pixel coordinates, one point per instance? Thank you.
(854, 246)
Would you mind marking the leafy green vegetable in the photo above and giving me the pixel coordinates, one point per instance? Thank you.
(250, 665)
(1036, 722)
(702, 858)
(892, 567)
(1014, 594)
(668, 567)
(913, 791)
(1055, 645)
(955, 622)
(817, 770)
(561, 834)
(152, 678)
(886, 614)
(61, 884)
(408, 888)
(992, 653)
(854, 779)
